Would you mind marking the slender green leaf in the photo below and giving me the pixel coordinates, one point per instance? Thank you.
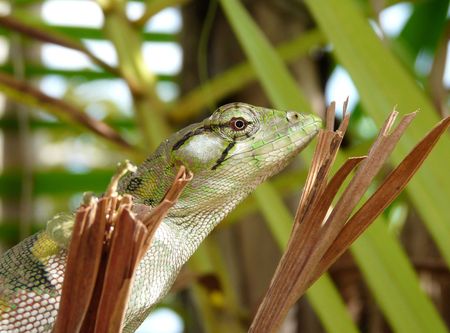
(38, 70)
(141, 81)
(237, 77)
(96, 34)
(12, 124)
(49, 182)
(10, 231)
(403, 303)
(218, 306)
(424, 28)
(273, 73)
(270, 68)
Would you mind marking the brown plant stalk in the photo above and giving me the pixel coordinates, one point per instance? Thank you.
(321, 233)
(17, 90)
(108, 242)
(42, 35)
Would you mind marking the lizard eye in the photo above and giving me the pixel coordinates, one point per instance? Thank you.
(236, 121)
(238, 124)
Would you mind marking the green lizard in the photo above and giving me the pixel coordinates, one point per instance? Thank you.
(230, 153)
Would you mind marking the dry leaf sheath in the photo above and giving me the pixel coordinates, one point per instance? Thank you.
(107, 244)
(322, 233)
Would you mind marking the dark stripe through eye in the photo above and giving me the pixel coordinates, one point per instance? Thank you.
(188, 135)
(224, 155)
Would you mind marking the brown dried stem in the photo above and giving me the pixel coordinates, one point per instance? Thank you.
(316, 240)
(22, 92)
(392, 186)
(43, 35)
(107, 245)
(278, 299)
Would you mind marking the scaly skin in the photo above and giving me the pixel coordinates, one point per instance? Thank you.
(230, 153)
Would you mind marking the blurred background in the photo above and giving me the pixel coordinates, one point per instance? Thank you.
(86, 84)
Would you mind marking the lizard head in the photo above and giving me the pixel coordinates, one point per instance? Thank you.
(243, 142)
(230, 153)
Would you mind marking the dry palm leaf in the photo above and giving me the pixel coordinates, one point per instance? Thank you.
(321, 233)
(108, 241)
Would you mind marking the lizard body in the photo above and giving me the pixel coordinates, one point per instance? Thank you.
(230, 153)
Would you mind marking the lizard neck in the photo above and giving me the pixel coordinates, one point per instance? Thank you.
(198, 212)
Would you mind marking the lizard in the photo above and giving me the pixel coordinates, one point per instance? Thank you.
(230, 153)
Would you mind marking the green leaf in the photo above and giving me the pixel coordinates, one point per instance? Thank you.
(141, 81)
(38, 71)
(238, 76)
(49, 182)
(393, 282)
(274, 77)
(80, 33)
(424, 28)
(10, 231)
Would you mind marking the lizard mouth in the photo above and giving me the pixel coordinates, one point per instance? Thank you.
(304, 131)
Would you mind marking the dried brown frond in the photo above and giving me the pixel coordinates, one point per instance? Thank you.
(321, 233)
(107, 244)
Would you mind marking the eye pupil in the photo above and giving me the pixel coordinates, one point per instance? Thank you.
(238, 124)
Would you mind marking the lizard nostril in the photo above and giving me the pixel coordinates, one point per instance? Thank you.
(292, 116)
